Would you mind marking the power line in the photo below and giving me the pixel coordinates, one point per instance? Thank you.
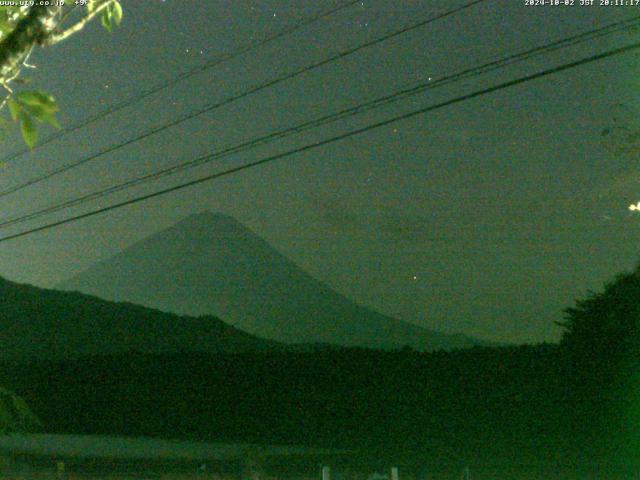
(246, 93)
(218, 60)
(330, 118)
(311, 146)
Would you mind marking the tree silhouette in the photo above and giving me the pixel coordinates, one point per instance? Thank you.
(604, 328)
(601, 341)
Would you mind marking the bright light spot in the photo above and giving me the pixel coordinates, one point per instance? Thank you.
(633, 207)
(415, 277)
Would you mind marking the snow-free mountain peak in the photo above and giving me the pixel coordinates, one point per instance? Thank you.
(209, 263)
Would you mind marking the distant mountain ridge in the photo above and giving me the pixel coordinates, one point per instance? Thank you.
(212, 264)
(37, 324)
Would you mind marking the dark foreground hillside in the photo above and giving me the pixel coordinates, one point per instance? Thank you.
(478, 405)
(37, 323)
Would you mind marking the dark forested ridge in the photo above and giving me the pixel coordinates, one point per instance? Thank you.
(37, 323)
(481, 404)
(341, 398)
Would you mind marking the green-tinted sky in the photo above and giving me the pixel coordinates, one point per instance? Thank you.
(487, 217)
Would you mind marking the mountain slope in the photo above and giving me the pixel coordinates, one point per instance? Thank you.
(37, 323)
(211, 264)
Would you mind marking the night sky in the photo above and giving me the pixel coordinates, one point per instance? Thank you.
(487, 217)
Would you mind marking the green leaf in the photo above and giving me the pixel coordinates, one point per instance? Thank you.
(41, 100)
(15, 109)
(105, 19)
(29, 131)
(30, 106)
(111, 15)
(116, 12)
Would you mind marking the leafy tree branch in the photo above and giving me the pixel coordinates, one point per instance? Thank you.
(25, 28)
(110, 9)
